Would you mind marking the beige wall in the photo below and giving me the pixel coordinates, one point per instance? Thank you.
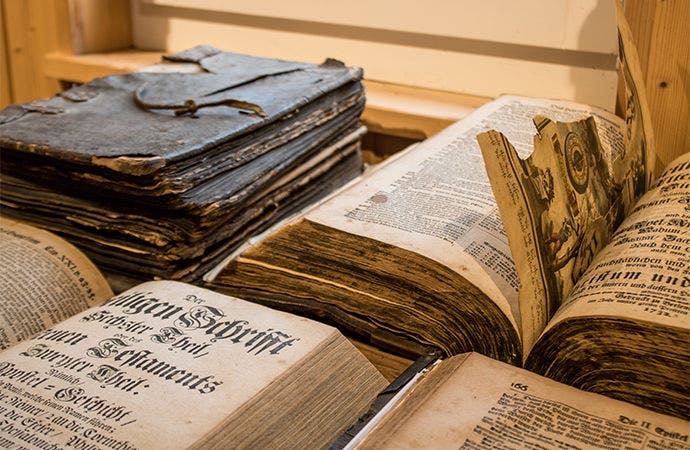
(557, 49)
(39, 38)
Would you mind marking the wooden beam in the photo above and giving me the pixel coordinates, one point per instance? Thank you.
(5, 88)
(100, 25)
(660, 29)
(33, 28)
(413, 112)
(83, 68)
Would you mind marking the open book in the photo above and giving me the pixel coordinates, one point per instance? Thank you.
(414, 256)
(452, 405)
(162, 365)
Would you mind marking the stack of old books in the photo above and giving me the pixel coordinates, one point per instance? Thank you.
(163, 174)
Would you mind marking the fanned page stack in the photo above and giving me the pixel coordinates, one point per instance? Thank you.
(162, 174)
(414, 255)
(414, 258)
(163, 365)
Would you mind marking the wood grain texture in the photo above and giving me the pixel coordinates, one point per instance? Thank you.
(36, 28)
(33, 28)
(83, 68)
(660, 29)
(5, 88)
(100, 25)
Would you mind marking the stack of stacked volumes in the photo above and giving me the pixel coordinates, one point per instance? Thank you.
(163, 174)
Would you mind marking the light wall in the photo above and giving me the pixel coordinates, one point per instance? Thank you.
(562, 49)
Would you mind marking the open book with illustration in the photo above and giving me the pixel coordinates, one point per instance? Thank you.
(162, 365)
(415, 257)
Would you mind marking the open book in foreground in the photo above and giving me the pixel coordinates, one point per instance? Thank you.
(162, 365)
(454, 404)
(415, 257)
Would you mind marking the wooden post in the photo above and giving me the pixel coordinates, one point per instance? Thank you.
(660, 30)
(33, 28)
(5, 88)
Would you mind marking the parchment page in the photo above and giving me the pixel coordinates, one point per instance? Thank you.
(561, 203)
(518, 409)
(644, 271)
(43, 280)
(639, 162)
(436, 199)
(154, 367)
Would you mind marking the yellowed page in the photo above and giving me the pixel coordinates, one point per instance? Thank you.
(43, 280)
(485, 404)
(436, 199)
(157, 366)
(560, 204)
(639, 162)
(644, 272)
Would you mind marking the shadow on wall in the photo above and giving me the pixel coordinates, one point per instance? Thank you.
(599, 25)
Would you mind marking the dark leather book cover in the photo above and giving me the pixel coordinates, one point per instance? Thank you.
(163, 174)
(140, 123)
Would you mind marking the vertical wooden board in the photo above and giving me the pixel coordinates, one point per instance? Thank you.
(668, 78)
(639, 14)
(5, 86)
(32, 30)
(100, 25)
(660, 29)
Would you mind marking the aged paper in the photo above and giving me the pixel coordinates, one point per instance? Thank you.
(157, 366)
(43, 280)
(638, 164)
(644, 272)
(436, 200)
(518, 409)
(560, 204)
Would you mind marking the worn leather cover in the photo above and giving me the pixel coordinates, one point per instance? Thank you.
(139, 123)
(163, 174)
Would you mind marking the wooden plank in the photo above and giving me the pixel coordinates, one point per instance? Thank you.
(661, 33)
(413, 112)
(83, 68)
(553, 24)
(5, 87)
(668, 79)
(33, 28)
(100, 25)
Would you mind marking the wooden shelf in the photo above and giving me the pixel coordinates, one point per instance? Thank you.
(83, 68)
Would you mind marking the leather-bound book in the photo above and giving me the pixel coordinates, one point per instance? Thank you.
(161, 174)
